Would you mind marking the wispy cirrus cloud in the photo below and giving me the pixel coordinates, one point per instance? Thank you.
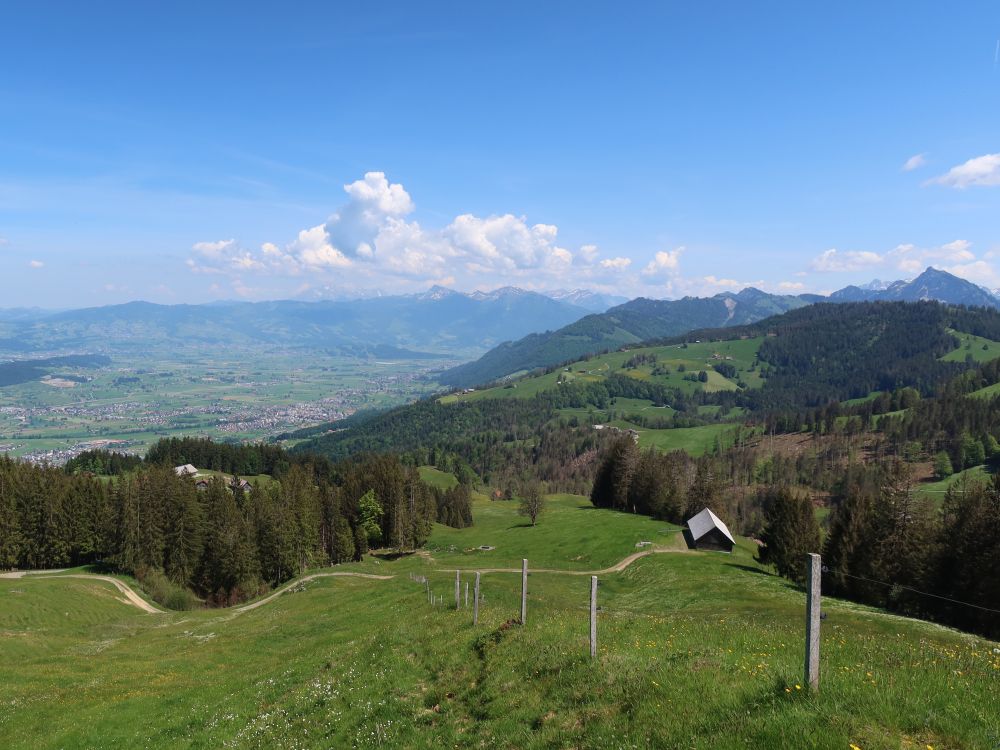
(914, 162)
(834, 260)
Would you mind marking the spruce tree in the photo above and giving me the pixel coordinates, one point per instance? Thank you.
(790, 532)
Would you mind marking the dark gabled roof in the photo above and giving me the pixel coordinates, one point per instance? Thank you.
(704, 522)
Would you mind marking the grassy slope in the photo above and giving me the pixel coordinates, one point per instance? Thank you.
(694, 357)
(973, 345)
(437, 478)
(936, 490)
(696, 650)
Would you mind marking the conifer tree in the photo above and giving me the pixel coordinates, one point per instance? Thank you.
(790, 532)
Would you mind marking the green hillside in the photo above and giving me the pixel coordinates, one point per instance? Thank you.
(700, 650)
(671, 366)
(631, 323)
(976, 348)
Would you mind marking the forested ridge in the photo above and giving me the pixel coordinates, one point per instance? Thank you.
(224, 542)
(635, 321)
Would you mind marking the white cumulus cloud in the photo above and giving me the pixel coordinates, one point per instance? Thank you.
(914, 162)
(35, 264)
(616, 264)
(664, 262)
(371, 238)
(983, 171)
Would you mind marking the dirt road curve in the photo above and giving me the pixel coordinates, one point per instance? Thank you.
(296, 582)
(130, 596)
(616, 568)
(135, 600)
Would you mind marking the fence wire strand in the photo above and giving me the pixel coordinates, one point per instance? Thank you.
(910, 588)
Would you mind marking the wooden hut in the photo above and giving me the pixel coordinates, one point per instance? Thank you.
(707, 531)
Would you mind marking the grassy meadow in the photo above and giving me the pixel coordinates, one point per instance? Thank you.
(696, 650)
(741, 354)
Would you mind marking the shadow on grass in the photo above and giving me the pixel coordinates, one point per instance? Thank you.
(389, 556)
(782, 581)
(525, 525)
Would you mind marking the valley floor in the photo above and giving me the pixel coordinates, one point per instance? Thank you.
(696, 650)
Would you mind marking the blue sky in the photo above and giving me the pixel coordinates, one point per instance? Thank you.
(214, 151)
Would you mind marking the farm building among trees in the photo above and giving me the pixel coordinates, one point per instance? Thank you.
(707, 531)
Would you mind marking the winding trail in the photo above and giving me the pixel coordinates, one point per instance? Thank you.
(133, 599)
(616, 568)
(297, 581)
(130, 596)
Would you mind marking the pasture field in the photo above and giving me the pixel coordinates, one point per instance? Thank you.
(437, 478)
(978, 348)
(936, 490)
(694, 357)
(695, 650)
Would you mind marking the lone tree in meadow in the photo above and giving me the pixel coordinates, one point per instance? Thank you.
(532, 503)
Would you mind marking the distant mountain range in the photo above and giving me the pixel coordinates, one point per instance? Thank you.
(439, 321)
(932, 284)
(509, 322)
(644, 319)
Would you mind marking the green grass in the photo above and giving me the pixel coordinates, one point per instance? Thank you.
(990, 391)
(437, 478)
(741, 354)
(694, 440)
(696, 650)
(570, 535)
(979, 348)
(936, 490)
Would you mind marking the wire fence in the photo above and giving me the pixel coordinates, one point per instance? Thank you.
(909, 588)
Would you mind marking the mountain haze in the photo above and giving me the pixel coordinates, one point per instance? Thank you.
(439, 320)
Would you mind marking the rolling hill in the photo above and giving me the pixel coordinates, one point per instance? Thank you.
(635, 321)
(687, 391)
(644, 319)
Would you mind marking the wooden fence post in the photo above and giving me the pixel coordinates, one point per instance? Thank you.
(524, 591)
(593, 617)
(458, 588)
(813, 587)
(475, 602)
(466, 594)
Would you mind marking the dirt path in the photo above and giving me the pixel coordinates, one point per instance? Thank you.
(130, 596)
(133, 599)
(297, 581)
(616, 568)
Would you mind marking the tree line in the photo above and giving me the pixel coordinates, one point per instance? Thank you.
(223, 543)
(885, 544)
